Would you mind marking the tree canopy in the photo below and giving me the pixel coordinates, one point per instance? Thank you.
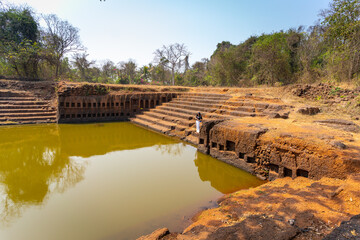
(329, 50)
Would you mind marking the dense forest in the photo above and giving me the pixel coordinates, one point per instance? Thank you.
(329, 50)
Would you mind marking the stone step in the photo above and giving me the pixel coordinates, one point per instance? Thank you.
(28, 119)
(27, 122)
(191, 112)
(17, 99)
(174, 114)
(8, 93)
(242, 114)
(157, 121)
(196, 97)
(195, 103)
(259, 104)
(205, 115)
(166, 117)
(200, 100)
(249, 103)
(26, 110)
(204, 94)
(192, 139)
(191, 107)
(9, 102)
(150, 125)
(241, 108)
(27, 114)
(221, 106)
(11, 106)
(178, 110)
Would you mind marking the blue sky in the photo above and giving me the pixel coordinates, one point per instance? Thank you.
(122, 29)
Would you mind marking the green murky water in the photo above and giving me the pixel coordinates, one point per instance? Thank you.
(103, 181)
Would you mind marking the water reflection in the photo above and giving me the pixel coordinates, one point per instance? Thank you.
(171, 149)
(98, 139)
(223, 177)
(35, 161)
(31, 166)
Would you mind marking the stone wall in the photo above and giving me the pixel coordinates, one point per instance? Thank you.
(258, 150)
(109, 107)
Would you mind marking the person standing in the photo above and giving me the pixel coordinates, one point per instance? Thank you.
(198, 121)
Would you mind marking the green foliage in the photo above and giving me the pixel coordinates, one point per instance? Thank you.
(342, 24)
(17, 25)
(270, 60)
(196, 75)
(229, 65)
(101, 90)
(19, 49)
(335, 91)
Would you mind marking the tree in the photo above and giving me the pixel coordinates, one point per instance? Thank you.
(60, 38)
(160, 75)
(270, 59)
(108, 72)
(311, 54)
(230, 63)
(18, 41)
(221, 47)
(172, 57)
(342, 24)
(196, 75)
(128, 71)
(83, 66)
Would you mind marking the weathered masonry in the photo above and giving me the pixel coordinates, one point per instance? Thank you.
(255, 149)
(119, 107)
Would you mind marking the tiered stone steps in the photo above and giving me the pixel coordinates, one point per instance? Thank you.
(177, 117)
(22, 107)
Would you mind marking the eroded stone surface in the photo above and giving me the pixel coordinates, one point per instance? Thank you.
(156, 235)
(274, 152)
(342, 124)
(309, 110)
(315, 209)
(348, 230)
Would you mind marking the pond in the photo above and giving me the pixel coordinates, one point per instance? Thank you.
(104, 181)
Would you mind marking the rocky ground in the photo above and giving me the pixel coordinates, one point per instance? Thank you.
(281, 209)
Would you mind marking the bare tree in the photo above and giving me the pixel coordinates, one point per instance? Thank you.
(60, 38)
(172, 57)
(83, 65)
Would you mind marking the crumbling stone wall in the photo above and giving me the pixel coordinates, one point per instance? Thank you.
(255, 149)
(108, 107)
(232, 142)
